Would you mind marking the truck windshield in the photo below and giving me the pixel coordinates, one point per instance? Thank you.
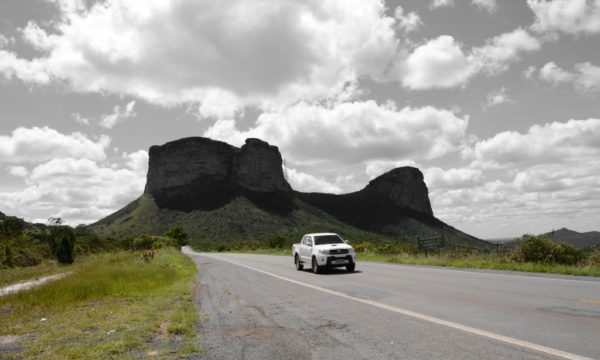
(328, 239)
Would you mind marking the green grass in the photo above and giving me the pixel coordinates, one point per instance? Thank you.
(481, 261)
(491, 261)
(14, 275)
(113, 306)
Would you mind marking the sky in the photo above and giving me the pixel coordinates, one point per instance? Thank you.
(497, 102)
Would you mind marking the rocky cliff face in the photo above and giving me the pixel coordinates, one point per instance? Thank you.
(404, 187)
(200, 173)
(2, 216)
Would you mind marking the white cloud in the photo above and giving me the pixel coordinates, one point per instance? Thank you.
(498, 97)
(442, 63)
(502, 50)
(438, 63)
(553, 143)
(30, 71)
(407, 22)
(31, 145)
(118, 115)
(568, 16)
(310, 183)
(263, 53)
(19, 171)
(585, 79)
(441, 3)
(529, 72)
(438, 178)
(486, 5)
(78, 190)
(80, 119)
(70, 175)
(353, 132)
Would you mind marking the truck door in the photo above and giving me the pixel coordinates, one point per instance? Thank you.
(306, 249)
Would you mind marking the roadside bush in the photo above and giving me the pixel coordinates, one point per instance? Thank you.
(277, 242)
(178, 234)
(538, 249)
(150, 242)
(567, 255)
(593, 257)
(143, 242)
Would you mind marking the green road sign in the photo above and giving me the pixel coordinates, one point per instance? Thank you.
(430, 242)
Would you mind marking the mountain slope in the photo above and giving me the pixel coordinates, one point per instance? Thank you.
(221, 193)
(574, 238)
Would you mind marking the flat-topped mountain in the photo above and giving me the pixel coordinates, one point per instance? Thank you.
(219, 192)
(202, 174)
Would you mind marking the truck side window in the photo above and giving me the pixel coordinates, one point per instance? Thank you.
(309, 241)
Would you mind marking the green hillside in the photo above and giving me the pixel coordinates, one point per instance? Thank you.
(242, 221)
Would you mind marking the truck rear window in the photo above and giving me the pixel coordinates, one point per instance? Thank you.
(328, 239)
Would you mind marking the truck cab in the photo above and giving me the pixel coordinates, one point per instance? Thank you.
(323, 250)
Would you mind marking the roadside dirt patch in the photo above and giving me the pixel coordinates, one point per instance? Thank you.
(9, 343)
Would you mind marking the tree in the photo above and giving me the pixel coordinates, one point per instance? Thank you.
(62, 241)
(178, 234)
(277, 242)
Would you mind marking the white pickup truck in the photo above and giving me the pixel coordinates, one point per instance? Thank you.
(322, 250)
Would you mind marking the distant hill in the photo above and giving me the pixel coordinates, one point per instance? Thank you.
(574, 238)
(221, 193)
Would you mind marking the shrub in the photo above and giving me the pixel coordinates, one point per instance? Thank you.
(277, 242)
(567, 255)
(178, 234)
(539, 249)
(143, 242)
(63, 238)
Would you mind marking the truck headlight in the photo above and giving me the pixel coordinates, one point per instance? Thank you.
(325, 252)
(351, 251)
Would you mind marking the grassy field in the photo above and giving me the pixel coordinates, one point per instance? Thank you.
(474, 261)
(113, 306)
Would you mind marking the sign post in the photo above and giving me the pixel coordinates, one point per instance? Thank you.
(431, 242)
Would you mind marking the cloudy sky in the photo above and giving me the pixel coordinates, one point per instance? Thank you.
(497, 102)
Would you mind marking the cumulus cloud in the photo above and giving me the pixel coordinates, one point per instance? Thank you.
(169, 52)
(407, 22)
(118, 115)
(568, 16)
(498, 97)
(68, 175)
(550, 143)
(438, 63)
(78, 190)
(442, 62)
(435, 4)
(585, 78)
(353, 132)
(310, 183)
(30, 145)
(486, 5)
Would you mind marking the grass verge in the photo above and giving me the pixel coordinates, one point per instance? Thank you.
(114, 306)
(473, 261)
(481, 261)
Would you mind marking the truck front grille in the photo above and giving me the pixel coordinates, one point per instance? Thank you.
(338, 251)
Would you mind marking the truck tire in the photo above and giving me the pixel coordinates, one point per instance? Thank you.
(315, 266)
(351, 267)
(299, 265)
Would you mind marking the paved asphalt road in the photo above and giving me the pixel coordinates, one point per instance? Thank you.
(260, 307)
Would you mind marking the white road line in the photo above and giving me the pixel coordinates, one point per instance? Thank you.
(450, 324)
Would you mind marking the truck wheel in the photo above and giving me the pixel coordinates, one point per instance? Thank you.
(350, 267)
(299, 266)
(315, 266)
